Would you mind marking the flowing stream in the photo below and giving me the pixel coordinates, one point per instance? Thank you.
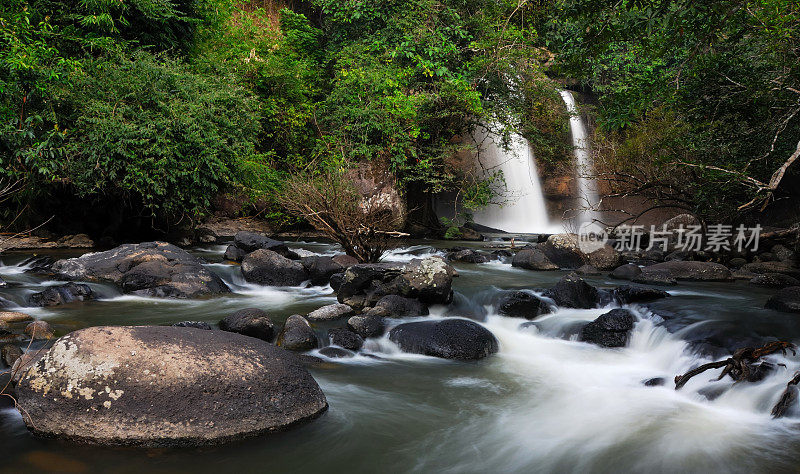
(544, 403)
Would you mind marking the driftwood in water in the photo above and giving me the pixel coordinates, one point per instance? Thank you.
(788, 397)
(740, 365)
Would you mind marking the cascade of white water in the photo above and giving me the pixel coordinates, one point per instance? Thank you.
(524, 209)
(587, 189)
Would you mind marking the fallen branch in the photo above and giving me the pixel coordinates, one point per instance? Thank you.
(740, 365)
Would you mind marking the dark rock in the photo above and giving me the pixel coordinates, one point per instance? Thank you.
(336, 352)
(395, 306)
(7, 393)
(321, 268)
(42, 265)
(266, 267)
(785, 268)
(157, 386)
(234, 254)
(587, 270)
(62, 294)
(713, 392)
(604, 258)
(147, 269)
(251, 241)
(737, 262)
(449, 339)
(626, 272)
(38, 330)
(429, 280)
(783, 254)
(774, 280)
(193, 324)
(346, 338)
(637, 294)
(358, 280)
(297, 335)
(654, 382)
(345, 260)
(563, 250)
(3, 283)
(10, 353)
(331, 312)
(655, 277)
(467, 256)
(522, 304)
(251, 322)
(572, 292)
(562, 331)
(612, 329)
(336, 281)
(533, 259)
(692, 271)
(786, 300)
(367, 325)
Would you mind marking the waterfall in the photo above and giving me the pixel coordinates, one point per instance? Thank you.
(587, 190)
(524, 210)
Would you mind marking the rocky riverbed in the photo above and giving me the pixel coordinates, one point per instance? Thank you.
(470, 359)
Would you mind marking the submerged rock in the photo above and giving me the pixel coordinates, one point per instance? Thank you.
(148, 269)
(532, 259)
(654, 382)
(266, 267)
(449, 339)
(297, 335)
(572, 292)
(39, 330)
(331, 312)
(522, 304)
(612, 329)
(251, 322)
(786, 300)
(14, 317)
(158, 386)
(336, 352)
(62, 294)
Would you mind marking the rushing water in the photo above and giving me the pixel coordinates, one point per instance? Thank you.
(544, 403)
(588, 198)
(523, 210)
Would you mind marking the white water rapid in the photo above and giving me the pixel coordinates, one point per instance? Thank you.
(587, 189)
(524, 209)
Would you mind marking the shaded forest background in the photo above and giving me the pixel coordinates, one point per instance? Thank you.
(141, 115)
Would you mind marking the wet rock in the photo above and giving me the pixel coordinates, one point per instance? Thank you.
(692, 271)
(156, 386)
(737, 262)
(467, 256)
(785, 268)
(234, 254)
(38, 330)
(266, 267)
(336, 352)
(252, 241)
(654, 382)
(522, 304)
(14, 317)
(331, 312)
(395, 306)
(367, 325)
(713, 392)
(429, 280)
(149, 269)
(587, 270)
(572, 292)
(24, 364)
(346, 338)
(251, 322)
(786, 300)
(533, 259)
(568, 331)
(62, 294)
(626, 272)
(297, 335)
(321, 268)
(612, 329)
(604, 258)
(345, 260)
(774, 280)
(637, 294)
(359, 280)
(336, 281)
(449, 339)
(655, 277)
(563, 250)
(10, 353)
(193, 324)
(783, 254)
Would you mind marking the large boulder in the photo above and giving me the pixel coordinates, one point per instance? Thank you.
(467, 256)
(612, 329)
(346, 338)
(147, 269)
(361, 281)
(522, 304)
(252, 241)
(692, 271)
(774, 280)
(321, 268)
(251, 322)
(786, 300)
(604, 258)
(459, 339)
(331, 312)
(367, 325)
(637, 294)
(564, 251)
(266, 267)
(655, 277)
(62, 294)
(532, 259)
(297, 335)
(160, 386)
(572, 292)
(785, 268)
(395, 306)
(429, 280)
(626, 272)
